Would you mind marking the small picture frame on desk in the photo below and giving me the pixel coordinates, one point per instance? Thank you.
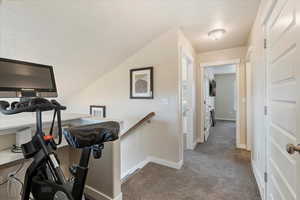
(98, 111)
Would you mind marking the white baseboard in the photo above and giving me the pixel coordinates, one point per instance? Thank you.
(200, 140)
(195, 145)
(259, 181)
(225, 119)
(241, 146)
(153, 159)
(248, 148)
(99, 195)
(166, 163)
(134, 168)
(119, 197)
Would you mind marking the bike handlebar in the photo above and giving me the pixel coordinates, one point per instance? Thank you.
(31, 106)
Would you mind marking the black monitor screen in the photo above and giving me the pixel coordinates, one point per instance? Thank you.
(18, 75)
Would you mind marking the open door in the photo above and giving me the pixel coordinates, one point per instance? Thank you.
(187, 102)
(207, 118)
(283, 102)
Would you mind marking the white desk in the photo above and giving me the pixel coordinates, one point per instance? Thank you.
(9, 124)
(23, 120)
(109, 165)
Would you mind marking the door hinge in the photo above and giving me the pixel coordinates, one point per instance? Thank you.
(265, 43)
(266, 110)
(266, 177)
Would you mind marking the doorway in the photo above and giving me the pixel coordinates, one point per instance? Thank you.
(220, 97)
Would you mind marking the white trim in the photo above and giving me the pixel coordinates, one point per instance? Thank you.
(119, 197)
(267, 11)
(259, 181)
(153, 159)
(192, 146)
(238, 119)
(218, 63)
(249, 52)
(237, 62)
(166, 163)
(241, 146)
(185, 53)
(140, 165)
(249, 126)
(179, 114)
(225, 119)
(99, 195)
(199, 140)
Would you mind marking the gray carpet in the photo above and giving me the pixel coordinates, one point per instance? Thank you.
(213, 171)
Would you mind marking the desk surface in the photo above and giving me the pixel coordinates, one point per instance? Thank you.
(14, 122)
(6, 156)
(23, 120)
(28, 119)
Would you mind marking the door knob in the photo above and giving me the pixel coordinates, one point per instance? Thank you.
(291, 149)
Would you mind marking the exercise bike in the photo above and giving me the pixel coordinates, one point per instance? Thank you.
(44, 179)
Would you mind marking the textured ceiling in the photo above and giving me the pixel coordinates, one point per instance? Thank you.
(84, 39)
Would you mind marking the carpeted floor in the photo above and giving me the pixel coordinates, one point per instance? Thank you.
(213, 171)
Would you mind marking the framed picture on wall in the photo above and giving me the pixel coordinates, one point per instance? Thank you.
(98, 111)
(141, 83)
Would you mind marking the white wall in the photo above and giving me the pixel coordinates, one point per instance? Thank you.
(221, 55)
(225, 96)
(83, 40)
(112, 90)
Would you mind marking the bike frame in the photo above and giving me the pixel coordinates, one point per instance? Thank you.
(45, 158)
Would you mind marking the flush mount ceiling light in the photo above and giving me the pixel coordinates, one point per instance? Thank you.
(216, 34)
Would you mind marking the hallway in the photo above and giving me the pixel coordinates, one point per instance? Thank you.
(213, 171)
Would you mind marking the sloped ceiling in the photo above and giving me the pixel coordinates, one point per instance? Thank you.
(85, 38)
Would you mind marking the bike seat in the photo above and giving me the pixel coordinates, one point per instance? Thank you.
(93, 134)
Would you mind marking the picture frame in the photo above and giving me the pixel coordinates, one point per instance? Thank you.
(98, 111)
(141, 83)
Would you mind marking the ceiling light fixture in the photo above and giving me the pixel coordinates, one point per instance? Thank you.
(216, 34)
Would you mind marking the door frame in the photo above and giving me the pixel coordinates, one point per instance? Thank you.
(298, 96)
(249, 102)
(185, 54)
(266, 16)
(236, 62)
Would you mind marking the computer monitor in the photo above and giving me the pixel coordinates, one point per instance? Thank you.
(25, 79)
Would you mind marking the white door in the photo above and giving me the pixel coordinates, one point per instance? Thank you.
(207, 116)
(283, 100)
(259, 151)
(187, 103)
(249, 105)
